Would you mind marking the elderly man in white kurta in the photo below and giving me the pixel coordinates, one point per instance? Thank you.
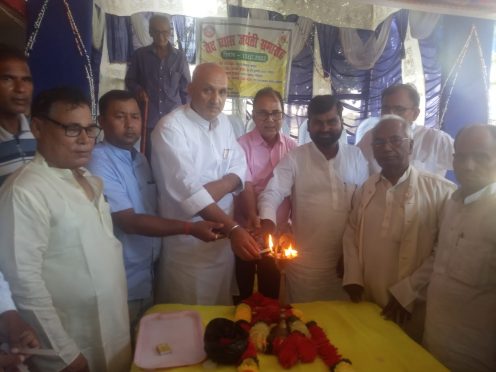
(198, 165)
(432, 148)
(460, 327)
(320, 177)
(59, 254)
(393, 228)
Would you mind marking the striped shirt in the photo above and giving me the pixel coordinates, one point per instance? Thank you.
(15, 150)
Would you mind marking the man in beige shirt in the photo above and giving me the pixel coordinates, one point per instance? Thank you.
(393, 225)
(460, 327)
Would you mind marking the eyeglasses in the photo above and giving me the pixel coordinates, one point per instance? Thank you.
(160, 33)
(265, 115)
(393, 141)
(74, 129)
(398, 110)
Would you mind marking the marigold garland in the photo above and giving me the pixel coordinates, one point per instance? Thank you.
(291, 340)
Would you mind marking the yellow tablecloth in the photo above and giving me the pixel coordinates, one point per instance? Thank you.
(357, 330)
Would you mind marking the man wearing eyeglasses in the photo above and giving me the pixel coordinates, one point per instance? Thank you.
(393, 228)
(264, 147)
(158, 73)
(432, 148)
(17, 144)
(320, 177)
(59, 253)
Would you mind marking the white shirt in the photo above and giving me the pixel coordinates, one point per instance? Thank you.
(392, 230)
(65, 267)
(187, 153)
(460, 328)
(321, 192)
(432, 150)
(6, 302)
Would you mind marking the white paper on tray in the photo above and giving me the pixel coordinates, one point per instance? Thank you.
(181, 330)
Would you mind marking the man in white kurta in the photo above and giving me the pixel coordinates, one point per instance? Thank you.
(320, 177)
(198, 165)
(432, 148)
(393, 227)
(63, 264)
(460, 328)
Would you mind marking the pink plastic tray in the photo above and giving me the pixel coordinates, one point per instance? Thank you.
(182, 330)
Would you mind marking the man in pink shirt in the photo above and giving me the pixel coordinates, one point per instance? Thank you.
(264, 146)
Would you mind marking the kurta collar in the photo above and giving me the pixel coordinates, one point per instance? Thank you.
(67, 174)
(194, 117)
(122, 154)
(402, 179)
(256, 136)
(322, 156)
(486, 191)
(151, 49)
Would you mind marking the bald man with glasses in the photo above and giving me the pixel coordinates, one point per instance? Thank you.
(432, 149)
(59, 254)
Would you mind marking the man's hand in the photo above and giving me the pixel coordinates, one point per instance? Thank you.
(355, 292)
(9, 362)
(204, 230)
(253, 223)
(243, 245)
(19, 334)
(267, 227)
(80, 364)
(395, 312)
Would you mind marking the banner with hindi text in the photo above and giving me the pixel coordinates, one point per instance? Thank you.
(255, 54)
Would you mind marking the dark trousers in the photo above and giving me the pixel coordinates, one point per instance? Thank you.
(267, 277)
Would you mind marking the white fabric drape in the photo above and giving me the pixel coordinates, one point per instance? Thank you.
(422, 24)
(141, 34)
(203, 8)
(302, 30)
(98, 26)
(364, 55)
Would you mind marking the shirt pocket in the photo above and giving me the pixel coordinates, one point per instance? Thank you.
(471, 263)
(226, 157)
(173, 84)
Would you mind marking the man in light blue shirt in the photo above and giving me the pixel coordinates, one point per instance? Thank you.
(131, 193)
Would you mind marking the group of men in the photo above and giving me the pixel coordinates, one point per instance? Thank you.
(72, 238)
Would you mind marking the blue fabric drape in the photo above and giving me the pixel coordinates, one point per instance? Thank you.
(362, 88)
(55, 59)
(237, 11)
(327, 38)
(119, 38)
(465, 94)
(429, 50)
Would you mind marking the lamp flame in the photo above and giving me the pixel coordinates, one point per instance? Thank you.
(290, 252)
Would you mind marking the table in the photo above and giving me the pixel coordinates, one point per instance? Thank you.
(357, 330)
